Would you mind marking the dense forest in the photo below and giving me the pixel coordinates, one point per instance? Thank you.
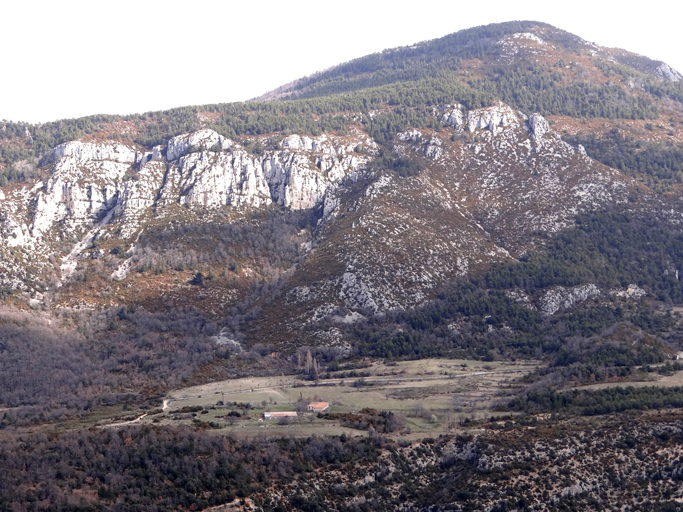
(603, 401)
(119, 356)
(160, 469)
(660, 165)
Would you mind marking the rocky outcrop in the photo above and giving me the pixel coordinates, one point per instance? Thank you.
(321, 144)
(667, 72)
(211, 179)
(632, 292)
(433, 149)
(198, 141)
(77, 193)
(197, 169)
(413, 135)
(330, 206)
(492, 118)
(454, 116)
(538, 127)
(297, 176)
(560, 298)
(139, 197)
(293, 183)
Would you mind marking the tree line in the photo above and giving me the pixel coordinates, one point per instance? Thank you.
(160, 469)
(588, 402)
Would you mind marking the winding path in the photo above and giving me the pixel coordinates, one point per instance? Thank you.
(124, 423)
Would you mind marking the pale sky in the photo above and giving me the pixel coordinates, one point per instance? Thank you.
(64, 59)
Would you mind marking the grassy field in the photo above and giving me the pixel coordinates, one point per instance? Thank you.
(432, 395)
(665, 381)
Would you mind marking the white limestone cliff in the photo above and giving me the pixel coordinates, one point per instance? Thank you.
(120, 183)
(218, 179)
(93, 151)
(454, 116)
(76, 193)
(321, 144)
(139, 197)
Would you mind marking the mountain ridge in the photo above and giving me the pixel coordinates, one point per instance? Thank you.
(144, 172)
(466, 44)
(349, 206)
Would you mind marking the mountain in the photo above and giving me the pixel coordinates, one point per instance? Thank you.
(470, 248)
(474, 195)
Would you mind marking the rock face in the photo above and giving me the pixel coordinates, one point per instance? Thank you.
(492, 118)
(489, 180)
(193, 142)
(453, 116)
(85, 151)
(560, 298)
(84, 183)
(538, 127)
(90, 181)
(669, 73)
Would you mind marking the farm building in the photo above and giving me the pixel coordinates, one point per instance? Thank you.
(318, 406)
(278, 415)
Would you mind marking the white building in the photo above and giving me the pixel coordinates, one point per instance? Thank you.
(278, 415)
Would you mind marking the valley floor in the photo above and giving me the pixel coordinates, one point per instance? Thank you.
(433, 395)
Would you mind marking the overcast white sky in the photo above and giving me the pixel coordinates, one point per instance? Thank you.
(64, 59)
